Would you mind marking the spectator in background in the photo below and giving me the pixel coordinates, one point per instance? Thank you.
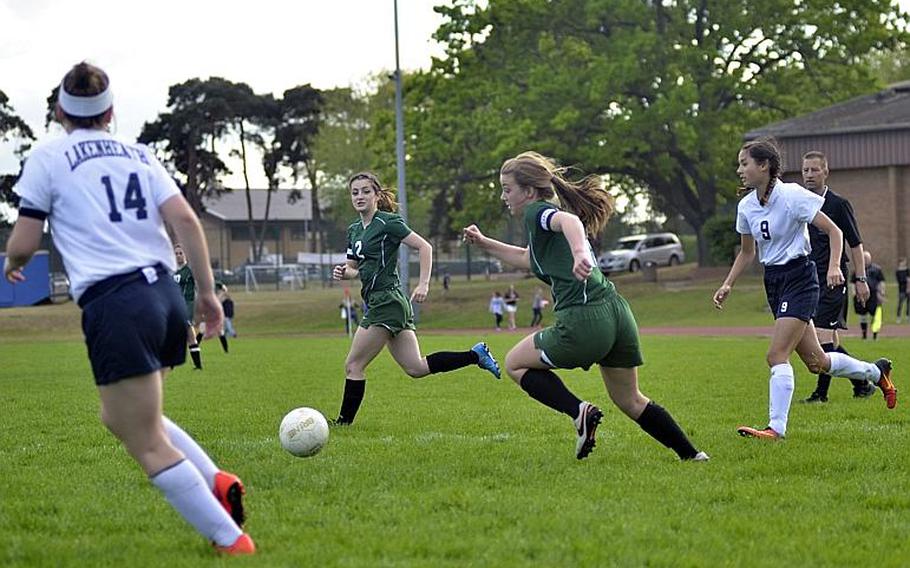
(537, 306)
(227, 304)
(903, 296)
(871, 310)
(511, 299)
(497, 307)
(446, 280)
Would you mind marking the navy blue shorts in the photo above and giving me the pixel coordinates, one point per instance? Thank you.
(832, 307)
(133, 326)
(792, 289)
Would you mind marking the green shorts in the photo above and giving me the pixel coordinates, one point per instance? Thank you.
(390, 309)
(605, 334)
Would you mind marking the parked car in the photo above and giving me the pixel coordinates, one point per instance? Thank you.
(631, 253)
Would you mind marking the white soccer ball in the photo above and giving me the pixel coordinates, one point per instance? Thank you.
(303, 432)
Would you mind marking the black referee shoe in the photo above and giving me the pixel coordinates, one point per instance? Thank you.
(864, 391)
(815, 398)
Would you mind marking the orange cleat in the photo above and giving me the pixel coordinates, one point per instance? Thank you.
(764, 434)
(885, 383)
(243, 546)
(229, 491)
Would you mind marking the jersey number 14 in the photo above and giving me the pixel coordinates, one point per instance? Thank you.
(132, 199)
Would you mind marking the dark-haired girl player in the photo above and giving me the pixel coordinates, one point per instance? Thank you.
(775, 215)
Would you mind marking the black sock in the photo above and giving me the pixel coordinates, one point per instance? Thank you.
(224, 344)
(824, 379)
(443, 361)
(545, 387)
(865, 328)
(350, 403)
(658, 423)
(196, 355)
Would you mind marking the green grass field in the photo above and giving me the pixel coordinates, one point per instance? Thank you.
(681, 298)
(452, 470)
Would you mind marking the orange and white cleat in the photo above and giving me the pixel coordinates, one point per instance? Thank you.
(885, 383)
(229, 491)
(764, 434)
(243, 546)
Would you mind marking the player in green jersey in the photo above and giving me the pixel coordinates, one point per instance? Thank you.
(594, 324)
(373, 242)
(184, 278)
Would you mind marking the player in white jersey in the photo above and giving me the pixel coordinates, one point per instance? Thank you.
(106, 202)
(775, 215)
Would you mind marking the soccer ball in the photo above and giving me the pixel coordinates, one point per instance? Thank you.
(303, 432)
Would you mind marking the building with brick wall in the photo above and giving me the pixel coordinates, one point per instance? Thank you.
(867, 142)
(226, 226)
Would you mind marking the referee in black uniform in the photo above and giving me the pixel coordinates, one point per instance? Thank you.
(831, 314)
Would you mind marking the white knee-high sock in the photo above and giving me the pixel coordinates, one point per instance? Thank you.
(192, 450)
(849, 368)
(781, 394)
(185, 490)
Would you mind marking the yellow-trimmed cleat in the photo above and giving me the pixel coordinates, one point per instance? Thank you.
(885, 383)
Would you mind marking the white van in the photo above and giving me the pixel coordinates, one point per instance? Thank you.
(631, 253)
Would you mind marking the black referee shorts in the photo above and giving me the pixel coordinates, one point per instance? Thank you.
(832, 308)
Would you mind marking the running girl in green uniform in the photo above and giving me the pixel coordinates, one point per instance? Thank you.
(594, 324)
(373, 242)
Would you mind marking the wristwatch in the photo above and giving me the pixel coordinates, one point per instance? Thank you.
(859, 278)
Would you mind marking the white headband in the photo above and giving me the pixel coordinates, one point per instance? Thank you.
(94, 105)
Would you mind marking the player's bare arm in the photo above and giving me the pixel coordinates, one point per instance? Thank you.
(570, 225)
(860, 287)
(22, 244)
(346, 271)
(178, 214)
(519, 257)
(743, 259)
(425, 253)
(836, 239)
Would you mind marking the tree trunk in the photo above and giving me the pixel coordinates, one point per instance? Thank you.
(192, 178)
(255, 248)
(704, 256)
(316, 224)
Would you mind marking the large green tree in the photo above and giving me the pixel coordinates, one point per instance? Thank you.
(13, 130)
(300, 119)
(198, 116)
(654, 95)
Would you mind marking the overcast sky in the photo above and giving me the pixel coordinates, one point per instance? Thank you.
(272, 45)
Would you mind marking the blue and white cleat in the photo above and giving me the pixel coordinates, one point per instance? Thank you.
(485, 359)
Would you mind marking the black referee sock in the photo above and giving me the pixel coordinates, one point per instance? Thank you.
(545, 387)
(658, 423)
(824, 379)
(443, 361)
(196, 355)
(350, 402)
(223, 339)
